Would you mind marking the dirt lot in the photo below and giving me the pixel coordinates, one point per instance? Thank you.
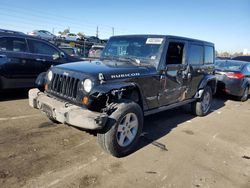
(176, 150)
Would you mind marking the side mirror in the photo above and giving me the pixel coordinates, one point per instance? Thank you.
(62, 55)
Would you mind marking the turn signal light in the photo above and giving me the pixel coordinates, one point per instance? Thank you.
(85, 100)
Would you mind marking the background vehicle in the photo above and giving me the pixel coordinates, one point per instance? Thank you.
(42, 34)
(23, 58)
(95, 51)
(233, 78)
(70, 51)
(93, 39)
(70, 37)
(242, 58)
(136, 75)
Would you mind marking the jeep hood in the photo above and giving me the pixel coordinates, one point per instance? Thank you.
(109, 69)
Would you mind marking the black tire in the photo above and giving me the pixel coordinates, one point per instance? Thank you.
(108, 139)
(245, 94)
(198, 107)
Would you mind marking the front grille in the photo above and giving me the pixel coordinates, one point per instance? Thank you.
(64, 86)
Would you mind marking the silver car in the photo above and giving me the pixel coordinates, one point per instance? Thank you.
(42, 34)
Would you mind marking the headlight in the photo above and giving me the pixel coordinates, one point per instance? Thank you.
(87, 85)
(50, 75)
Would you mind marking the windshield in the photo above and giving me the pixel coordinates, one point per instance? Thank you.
(140, 48)
(228, 65)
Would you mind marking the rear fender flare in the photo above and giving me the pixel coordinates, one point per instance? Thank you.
(207, 80)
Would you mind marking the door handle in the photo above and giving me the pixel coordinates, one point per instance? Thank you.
(40, 59)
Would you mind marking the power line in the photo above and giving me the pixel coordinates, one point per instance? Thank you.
(49, 15)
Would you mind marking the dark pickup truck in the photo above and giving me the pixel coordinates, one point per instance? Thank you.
(136, 76)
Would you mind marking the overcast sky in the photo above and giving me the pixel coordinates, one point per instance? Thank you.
(224, 22)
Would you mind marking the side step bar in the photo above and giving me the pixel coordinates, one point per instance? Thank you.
(168, 107)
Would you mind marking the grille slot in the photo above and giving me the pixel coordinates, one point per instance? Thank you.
(64, 86)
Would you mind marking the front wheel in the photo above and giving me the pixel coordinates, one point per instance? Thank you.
(202, 107)
(124, 127)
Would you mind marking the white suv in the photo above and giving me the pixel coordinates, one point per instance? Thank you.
(70, 37)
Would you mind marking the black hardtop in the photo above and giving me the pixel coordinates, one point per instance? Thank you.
(167, 37)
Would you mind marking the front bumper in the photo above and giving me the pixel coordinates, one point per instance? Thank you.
(65, 112)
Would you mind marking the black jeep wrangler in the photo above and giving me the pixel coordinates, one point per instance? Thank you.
(136, 76)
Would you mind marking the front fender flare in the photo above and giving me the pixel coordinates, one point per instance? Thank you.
(107, 88)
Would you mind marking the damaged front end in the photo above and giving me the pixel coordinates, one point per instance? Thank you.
(65, 112)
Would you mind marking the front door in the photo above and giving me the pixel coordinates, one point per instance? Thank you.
(43, 54)
(175, 78)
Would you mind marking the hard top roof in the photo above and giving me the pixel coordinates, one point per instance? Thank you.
(167, 37)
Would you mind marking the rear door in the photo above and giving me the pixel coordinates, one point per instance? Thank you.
(195, 60)
(44, 55)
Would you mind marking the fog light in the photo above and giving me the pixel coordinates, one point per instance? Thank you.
(85, 100)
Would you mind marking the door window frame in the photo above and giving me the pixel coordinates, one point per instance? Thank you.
(44, 43)
(163, 65)
(189, 52)
(11, 51)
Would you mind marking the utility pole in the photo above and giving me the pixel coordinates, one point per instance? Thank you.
(97, 31)
(113, 31)
(53, 30)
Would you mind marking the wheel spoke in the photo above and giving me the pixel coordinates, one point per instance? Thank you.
(127, 120)
(130, 136)
(120, 128)
(133, 124)
(121, 139)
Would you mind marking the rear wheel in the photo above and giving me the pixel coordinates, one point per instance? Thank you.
(124, 127)
(244, 97)
(202, 107)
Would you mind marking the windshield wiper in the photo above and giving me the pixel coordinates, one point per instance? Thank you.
(137, 61)
(125, 58)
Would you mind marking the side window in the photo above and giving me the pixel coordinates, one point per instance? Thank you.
(38, 47)
(175, 53)
(209, 55)
(248, 69)
(3, 44)
(13, 44)
(195, 55)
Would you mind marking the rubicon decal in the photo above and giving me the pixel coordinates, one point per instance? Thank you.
(125, 75)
